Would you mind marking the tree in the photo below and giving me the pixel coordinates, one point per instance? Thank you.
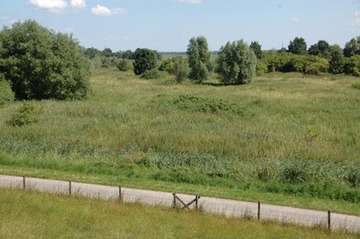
(6, 94)
(42, 64)
(256, 47)
(321, 48)
(199, 59)
(352, 47)
(337, 60)
(298, 46)
(145, 59)
(236, 63)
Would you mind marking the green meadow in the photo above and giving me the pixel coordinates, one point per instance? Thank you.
(288, 139)
(32, 215)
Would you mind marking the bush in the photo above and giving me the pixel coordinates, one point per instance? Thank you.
(180, 68)
(6, 94)
(151, 74)
(123, 65)
(199, 59)
(145, 59)
(236, 63)
(352, 66)
(28, 113)
(42, 64)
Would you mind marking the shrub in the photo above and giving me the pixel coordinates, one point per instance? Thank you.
(123, 65)
(180, 69)
(356, 85)
(28, 113)
(145, 59)
(352, 66)
(199, 59)
(6, 94)
(236, 63)
(151, 74)
(42, 64)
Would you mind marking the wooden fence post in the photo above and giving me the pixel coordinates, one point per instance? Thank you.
(329, 220)
(258, 214)
(120, 194)
(69, 187)
(174, 200)
(197, 202)
(24, 182)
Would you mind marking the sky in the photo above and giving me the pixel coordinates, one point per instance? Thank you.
(168, 25)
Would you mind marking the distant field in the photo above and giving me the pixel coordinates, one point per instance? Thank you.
(285, 138)
(32, 215)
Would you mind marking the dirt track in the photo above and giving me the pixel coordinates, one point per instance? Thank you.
(230, 208)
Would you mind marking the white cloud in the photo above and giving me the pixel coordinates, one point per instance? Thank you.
(192, 1)
(78, 3)
(57, 5)
(104, 11)
(50, 5)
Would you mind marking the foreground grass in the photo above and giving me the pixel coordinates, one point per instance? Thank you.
(285, 138)
(32, 215)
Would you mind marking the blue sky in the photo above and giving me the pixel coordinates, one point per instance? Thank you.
(167, 25)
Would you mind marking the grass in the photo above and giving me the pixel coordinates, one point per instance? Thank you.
(32, 215)
(284, 138)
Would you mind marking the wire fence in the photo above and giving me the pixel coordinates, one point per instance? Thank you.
(229, 208)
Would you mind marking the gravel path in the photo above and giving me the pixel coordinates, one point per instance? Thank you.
(230, 208)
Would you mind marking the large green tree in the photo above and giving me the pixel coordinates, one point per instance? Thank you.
(199, 59)
(256, 47)
(42, 64)
(236, 63)
(298, 46)
(321, 48)
(352, 47)
(144, 60)
(337, 60)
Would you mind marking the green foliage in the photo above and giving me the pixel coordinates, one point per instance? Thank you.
(352, 65)
(144, 60)
(123, 65)
(28, 113)
(6, 94)
(352, 47)
(236, 63)
(256, 47)
(181, 68)
(298, 46)
(42, 64)
(199, 59)
(151, 74)
(337, 60)
(321, 48)
(261, 67)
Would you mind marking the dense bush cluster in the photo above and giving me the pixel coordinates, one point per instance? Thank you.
(42, 64)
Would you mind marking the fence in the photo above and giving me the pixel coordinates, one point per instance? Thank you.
(229, 208)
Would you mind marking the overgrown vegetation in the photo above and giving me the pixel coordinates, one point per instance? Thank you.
(42, 64)
(284, 134)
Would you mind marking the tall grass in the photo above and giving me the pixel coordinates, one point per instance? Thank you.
(32, 215)
(282, 134)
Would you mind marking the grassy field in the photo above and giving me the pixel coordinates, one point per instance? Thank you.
(285, 138)
(32, 215)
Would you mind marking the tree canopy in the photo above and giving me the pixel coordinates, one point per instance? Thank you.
(298, 46)
(236, 63)
(199, 59)
(42, 64)
(145, 59)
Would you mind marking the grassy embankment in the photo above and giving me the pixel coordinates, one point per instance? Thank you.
(285, 138)
(32, 215)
